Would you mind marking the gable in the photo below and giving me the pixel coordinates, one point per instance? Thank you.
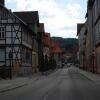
(30, 17)
(41, 27)
(6, 16)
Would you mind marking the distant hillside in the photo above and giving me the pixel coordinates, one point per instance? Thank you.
(68, 45)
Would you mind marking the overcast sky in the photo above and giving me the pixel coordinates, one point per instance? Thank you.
(60, 17)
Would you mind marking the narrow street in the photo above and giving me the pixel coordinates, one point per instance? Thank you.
(41, 42)
(63, 84)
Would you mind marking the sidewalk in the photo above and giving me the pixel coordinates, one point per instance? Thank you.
(7, 85)
(92, 76)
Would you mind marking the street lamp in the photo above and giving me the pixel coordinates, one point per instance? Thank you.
(10, 60)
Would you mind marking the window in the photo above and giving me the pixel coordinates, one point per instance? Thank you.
(2, 54)
(2, 32)
(28, 56)
(97, 33)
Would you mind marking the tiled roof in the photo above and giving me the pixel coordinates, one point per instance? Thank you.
(28, 16)
(47, 39)
(1, 5)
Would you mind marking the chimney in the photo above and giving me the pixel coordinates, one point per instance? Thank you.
(2, 2)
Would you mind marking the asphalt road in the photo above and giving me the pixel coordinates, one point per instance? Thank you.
(63, 84)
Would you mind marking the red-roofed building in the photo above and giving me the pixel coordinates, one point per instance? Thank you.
(47, 39)
(56, 49)
(47, 45)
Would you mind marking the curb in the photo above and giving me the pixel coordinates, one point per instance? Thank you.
(82, 73)
(89, 78)
(86, 77)
(12, 88)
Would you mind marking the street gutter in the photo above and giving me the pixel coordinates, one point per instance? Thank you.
(13, 87)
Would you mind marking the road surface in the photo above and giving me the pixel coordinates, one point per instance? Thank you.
(63, 84)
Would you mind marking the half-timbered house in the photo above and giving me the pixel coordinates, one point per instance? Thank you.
(16, 38)
(32, 20)
(41, 33)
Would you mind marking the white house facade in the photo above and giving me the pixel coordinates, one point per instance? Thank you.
(15, 42)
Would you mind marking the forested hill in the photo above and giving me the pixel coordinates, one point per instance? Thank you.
(68, 45)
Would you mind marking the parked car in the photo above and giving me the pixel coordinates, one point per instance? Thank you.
(59, 64)
(69, 64)
(63, 64)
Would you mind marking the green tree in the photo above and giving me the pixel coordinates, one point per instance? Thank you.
(52, 63)
(41, 65)
(46, 63)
